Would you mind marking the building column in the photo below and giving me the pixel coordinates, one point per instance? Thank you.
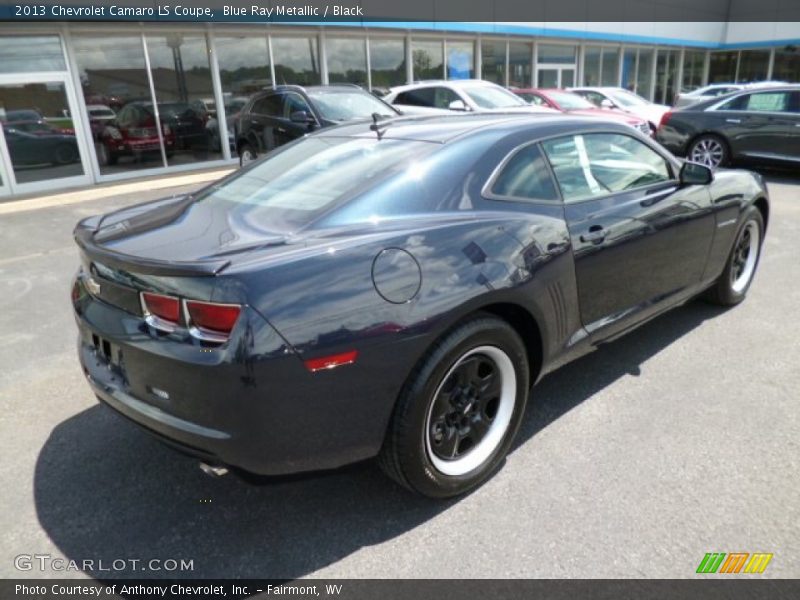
(409, 60)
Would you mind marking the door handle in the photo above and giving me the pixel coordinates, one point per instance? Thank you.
(733, 120)
(280, 130)
(595, 235)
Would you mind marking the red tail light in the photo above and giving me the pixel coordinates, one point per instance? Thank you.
(665, 118)
(211, 321)
(166, 308)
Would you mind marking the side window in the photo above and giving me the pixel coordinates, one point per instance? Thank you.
(269, 106)
(593, 97)
(525, 177)
(794, 103)
(443, 97)
(293, 102)
(597, 164)
(768, 102)
(534, 99)
(759, 102)
(418, 97)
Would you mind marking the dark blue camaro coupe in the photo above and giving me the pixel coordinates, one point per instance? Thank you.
(394, 289)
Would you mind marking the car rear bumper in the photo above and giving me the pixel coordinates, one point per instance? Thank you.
(672, 140)
(250, 403)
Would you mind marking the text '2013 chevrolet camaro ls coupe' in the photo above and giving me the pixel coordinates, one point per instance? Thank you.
(394, 289)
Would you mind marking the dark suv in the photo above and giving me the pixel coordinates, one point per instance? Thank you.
(280, 115)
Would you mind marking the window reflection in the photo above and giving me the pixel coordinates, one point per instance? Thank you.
(520, 68)
(243, 70)
(644, 74)
(113, 75)
(493, 61)
(592, 55)
(693, 65)
(296, 60)
(428, 59)
(20, 54)
(185, 99)
(460, 60)
(39, 132)
(388, 62)
(347, 61)
(722, 67)
(610, 67)
(787, 65)
(753, 66)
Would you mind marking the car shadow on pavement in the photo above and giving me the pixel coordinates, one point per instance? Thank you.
(106, 491)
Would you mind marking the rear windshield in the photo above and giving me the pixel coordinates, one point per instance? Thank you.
(346, 106)
(296, 185)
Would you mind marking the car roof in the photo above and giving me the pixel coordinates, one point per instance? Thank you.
(456, 83)
(331, 88)
(703, 104)
(445, 128)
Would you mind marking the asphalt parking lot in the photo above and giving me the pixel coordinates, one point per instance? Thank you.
(680, 439)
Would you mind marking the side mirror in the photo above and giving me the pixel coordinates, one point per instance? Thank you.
(457, 105)
(695, 174)
(606, 103)
(302, 116)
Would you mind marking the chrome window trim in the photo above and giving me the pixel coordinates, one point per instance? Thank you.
(716, 106)
(486, 190)
(671, 166)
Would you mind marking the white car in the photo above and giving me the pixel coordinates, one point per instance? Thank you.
(718, 89)
(465, 95)
(706, 93)
(625, 101)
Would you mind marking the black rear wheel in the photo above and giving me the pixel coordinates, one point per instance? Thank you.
(731, 287)
(459, 411)
(247, 154)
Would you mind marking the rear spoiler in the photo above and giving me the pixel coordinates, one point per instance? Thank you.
(84, 237)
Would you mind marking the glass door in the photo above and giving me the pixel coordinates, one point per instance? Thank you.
(556, 77)
(42, 145)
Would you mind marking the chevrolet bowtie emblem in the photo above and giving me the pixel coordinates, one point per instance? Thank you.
(92, 286)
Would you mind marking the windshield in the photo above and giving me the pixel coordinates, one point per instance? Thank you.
(346, 106)
(567, 101)
(493, 97)
(626, 98)
(292, 187)
(101, 112)
(170, 109)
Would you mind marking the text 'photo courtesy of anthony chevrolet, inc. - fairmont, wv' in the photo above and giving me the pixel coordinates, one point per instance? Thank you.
(412, 300)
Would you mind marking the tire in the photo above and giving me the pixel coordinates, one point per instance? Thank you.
(709, 150)
(247, 154)
(445, 436)
(64, 155)
(104, 156)
(731, 287)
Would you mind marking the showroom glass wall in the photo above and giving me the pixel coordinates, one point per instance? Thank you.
(154, 99)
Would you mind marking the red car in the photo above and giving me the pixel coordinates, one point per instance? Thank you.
(576, 105)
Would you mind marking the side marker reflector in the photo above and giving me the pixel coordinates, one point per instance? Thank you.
(330, 362)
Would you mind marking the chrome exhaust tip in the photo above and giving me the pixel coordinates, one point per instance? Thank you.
(213, 470)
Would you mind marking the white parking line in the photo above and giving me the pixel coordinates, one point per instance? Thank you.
(97, 193)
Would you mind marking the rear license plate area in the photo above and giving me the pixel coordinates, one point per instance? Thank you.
(108, 354)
